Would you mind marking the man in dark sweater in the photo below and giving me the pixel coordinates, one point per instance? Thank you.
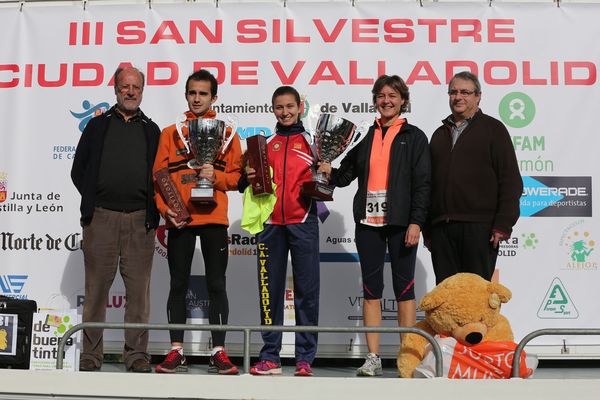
(476, 185)
(112, 171)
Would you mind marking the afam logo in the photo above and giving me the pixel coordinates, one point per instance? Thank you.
(530, 240)
(557, 303)
(12, 285)
(578, 244)
(89, 111)
(3, 185)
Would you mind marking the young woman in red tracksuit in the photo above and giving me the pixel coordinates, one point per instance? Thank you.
(292, 227)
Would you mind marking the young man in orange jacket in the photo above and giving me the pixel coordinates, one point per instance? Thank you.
(207, 222)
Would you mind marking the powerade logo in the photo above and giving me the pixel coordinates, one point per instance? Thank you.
(89, 111)
(556, 196)
(246, 132)
(3, 186)
(12, 285)
(197, 298)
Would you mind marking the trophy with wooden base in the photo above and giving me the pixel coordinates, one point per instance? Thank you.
(332, 136)
(206, 138)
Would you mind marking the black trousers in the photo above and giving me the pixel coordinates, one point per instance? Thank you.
(181, 245)
(462, 247)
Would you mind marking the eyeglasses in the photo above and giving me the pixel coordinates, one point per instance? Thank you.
(464, 93)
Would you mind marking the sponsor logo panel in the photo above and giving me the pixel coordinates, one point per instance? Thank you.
(556, 196)
(11, 285)
(30, 202)
(10, 241)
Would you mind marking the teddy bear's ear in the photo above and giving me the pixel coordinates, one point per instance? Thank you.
(431, 300)
(498, 294)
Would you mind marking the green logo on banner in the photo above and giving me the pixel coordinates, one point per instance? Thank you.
(557, 303)
(530, 241)
(517, 110)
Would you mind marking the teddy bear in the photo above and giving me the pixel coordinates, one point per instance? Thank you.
(464, 306)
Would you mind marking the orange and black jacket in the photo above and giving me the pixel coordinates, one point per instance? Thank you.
(172, 154)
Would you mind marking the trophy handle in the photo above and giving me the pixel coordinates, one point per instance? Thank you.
(359, 134)
(232, 122)
(179, 124)
(310, 121)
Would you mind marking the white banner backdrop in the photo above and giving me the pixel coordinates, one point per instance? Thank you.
(538, 67)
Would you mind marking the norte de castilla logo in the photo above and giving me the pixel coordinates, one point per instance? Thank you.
(578, 245)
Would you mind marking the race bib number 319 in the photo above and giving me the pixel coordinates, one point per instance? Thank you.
(376, 208)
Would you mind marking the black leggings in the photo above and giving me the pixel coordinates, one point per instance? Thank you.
(181, 245)
(371, 243)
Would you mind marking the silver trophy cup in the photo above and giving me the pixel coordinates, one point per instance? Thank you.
(332, 136)
(206, 139)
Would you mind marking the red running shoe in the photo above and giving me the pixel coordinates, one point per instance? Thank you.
(174, 362)
(303, 369)
(266, 367)
(220, 364)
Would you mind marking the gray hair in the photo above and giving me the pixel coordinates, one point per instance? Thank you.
(466, 76)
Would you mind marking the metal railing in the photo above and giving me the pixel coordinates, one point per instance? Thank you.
(546, 332)
(247, 330)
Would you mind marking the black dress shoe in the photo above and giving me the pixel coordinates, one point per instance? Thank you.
(88, 365)
(140, 365)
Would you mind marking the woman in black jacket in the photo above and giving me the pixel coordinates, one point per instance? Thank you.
(393, 168)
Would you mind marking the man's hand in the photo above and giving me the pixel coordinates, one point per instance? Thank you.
(496, 238)
(207, 171)
(412, 235)
(171, 215)
(250, 173)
